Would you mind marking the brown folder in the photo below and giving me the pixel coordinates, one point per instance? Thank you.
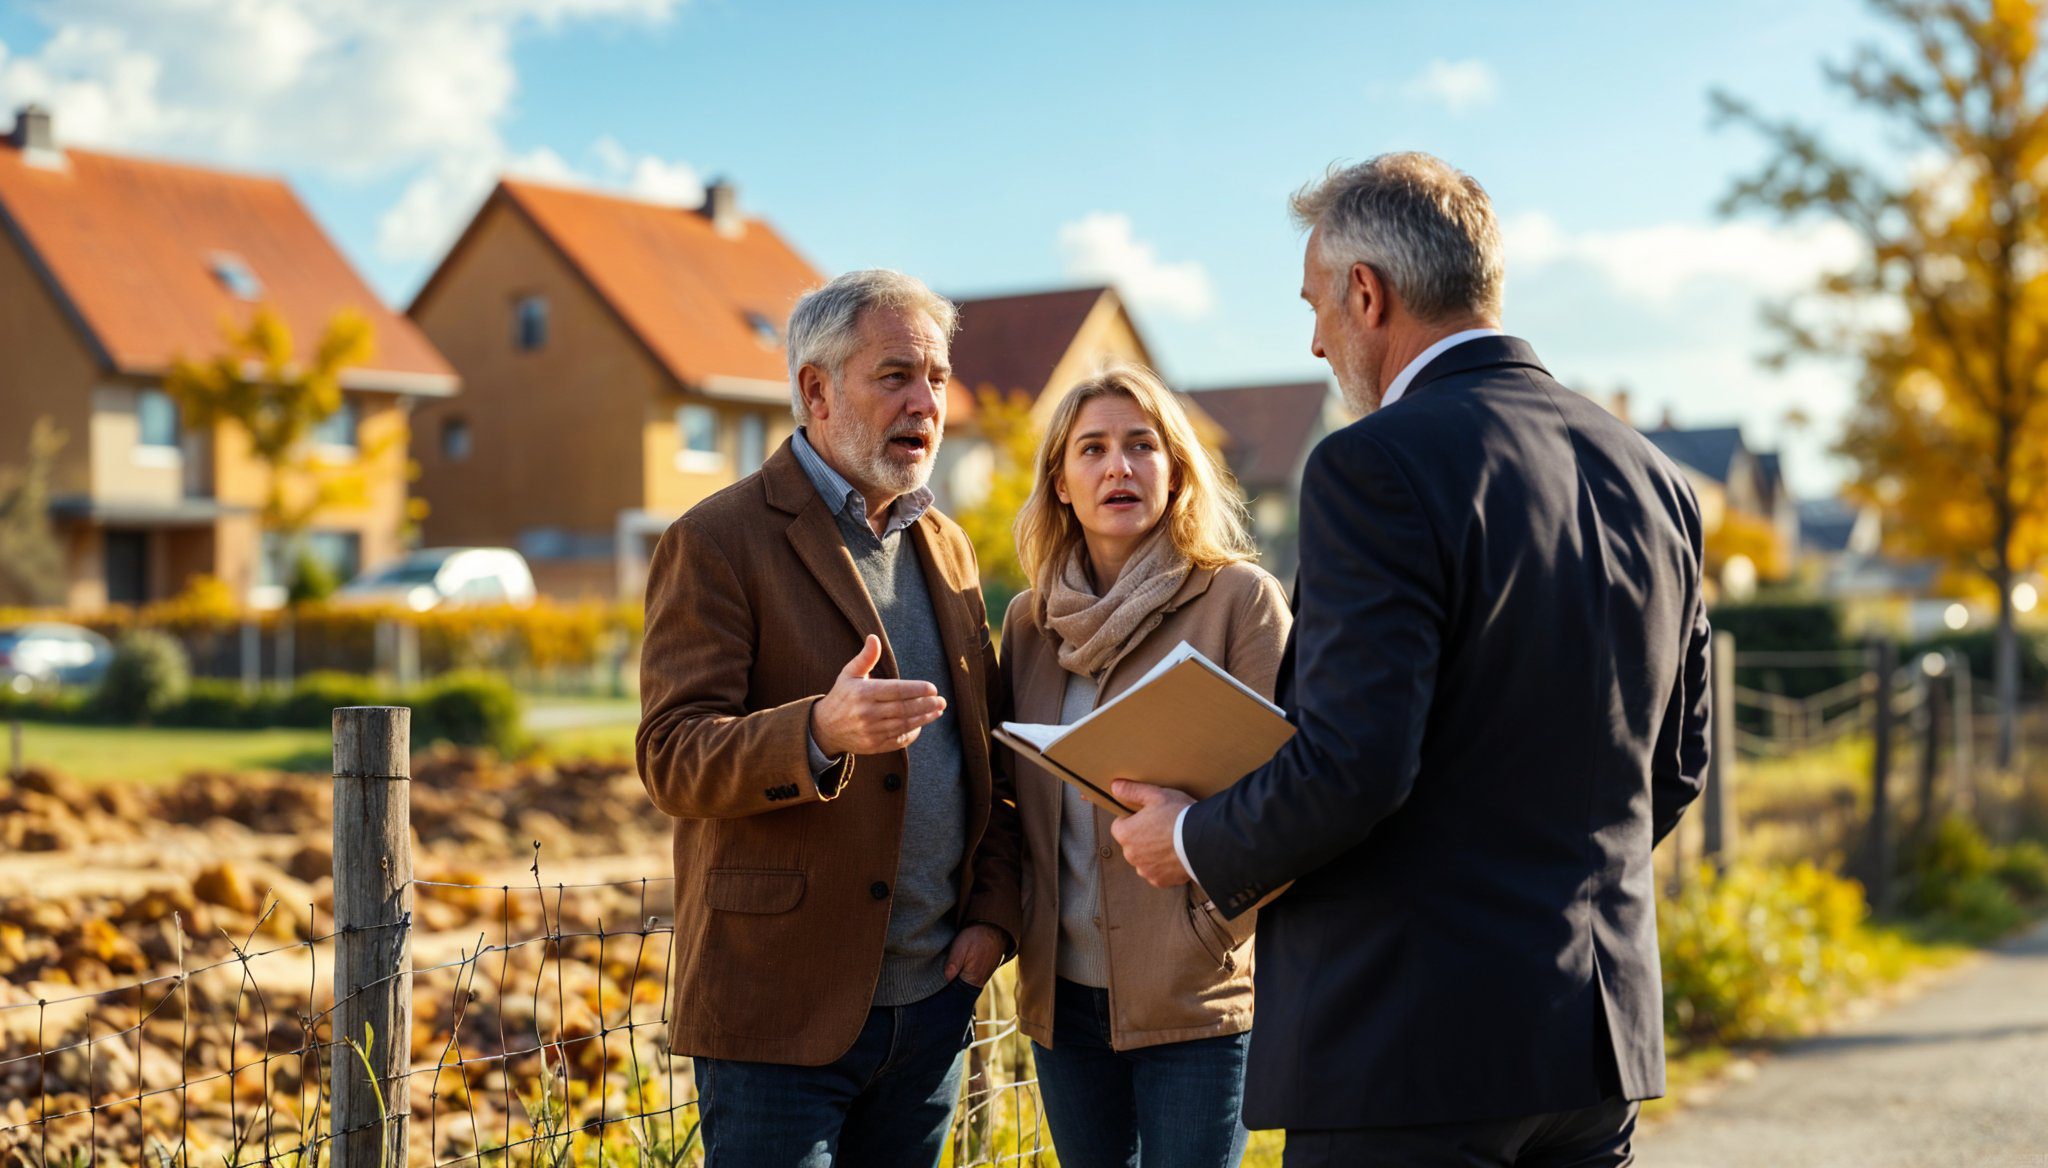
(1187, 724)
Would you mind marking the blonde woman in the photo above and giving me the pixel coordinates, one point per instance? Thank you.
(1138, 1000)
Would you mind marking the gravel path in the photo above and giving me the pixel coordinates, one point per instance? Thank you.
(1958, 1076)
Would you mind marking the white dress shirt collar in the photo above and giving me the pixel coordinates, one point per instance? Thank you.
(1422, 360)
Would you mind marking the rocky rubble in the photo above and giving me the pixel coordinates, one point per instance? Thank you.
(193, 980)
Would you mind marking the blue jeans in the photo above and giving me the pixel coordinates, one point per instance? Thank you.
(1170, 1106)
(885, 1103)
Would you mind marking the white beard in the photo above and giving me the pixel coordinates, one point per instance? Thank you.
(866, 452)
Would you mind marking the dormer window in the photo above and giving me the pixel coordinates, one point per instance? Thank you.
(530, 323)
(234, 275)
(764, 329)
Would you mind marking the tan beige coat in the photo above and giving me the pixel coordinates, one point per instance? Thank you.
(753, 606)
(1178, 970)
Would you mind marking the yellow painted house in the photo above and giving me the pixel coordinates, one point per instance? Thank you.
(112, 268)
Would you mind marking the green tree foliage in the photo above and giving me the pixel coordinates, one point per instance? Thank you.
(1946, 309)
(31, 559)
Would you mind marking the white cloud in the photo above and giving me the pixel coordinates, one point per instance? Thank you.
(362, 88)
(1101, 246)
(438, 203)
(1458, 86)
(1661, 260)
(647, 176)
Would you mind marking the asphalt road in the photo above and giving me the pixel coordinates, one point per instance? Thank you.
(1956, 1077)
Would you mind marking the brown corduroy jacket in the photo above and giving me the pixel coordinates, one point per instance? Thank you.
(1177, 970)
(753, 607)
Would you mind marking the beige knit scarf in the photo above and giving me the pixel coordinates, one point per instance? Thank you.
(1093, 630)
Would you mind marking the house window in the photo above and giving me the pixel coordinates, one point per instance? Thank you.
(234, 275)
(156, 418)
(455, 439)
(697, 439)
(753, 442)
(338, 428)
(530, 323)
(764, 329)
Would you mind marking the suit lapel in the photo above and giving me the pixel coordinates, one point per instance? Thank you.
(814, 533)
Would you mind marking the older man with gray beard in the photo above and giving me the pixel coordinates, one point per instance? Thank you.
(816, 690)
(1498, 671)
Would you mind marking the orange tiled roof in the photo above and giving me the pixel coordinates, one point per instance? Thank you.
(690, 294)
(130, 246)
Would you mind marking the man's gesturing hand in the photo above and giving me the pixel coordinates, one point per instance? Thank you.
(1147, 836)
(864, 715)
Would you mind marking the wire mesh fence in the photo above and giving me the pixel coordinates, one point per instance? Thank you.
(533, 1031)
(538, 1039)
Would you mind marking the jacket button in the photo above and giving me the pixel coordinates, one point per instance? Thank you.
(1107, 852)
(892, 781)
(878, 890)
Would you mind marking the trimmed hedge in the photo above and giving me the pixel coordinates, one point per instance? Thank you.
(1979, 648)
(468, 709)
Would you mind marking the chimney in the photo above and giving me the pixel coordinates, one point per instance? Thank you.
(33, 136)
(722, 207)
(1620, 406)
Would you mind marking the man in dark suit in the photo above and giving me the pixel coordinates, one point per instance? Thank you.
(1499, 678)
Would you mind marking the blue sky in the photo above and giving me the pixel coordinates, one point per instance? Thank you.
(992, 147)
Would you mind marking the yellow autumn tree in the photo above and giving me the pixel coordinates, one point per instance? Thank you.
(256, 384)
(1005, 421)
(1946, 308)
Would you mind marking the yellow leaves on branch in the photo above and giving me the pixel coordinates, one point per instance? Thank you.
(255, 385)
(1947, 309)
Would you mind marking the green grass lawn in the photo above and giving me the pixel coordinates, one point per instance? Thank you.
(161, 754)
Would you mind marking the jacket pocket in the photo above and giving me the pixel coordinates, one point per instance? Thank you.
(1211, 933)
(753, 890)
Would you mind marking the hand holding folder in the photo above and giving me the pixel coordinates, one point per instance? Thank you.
(1188, 724)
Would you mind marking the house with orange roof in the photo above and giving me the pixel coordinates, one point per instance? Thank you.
(111, 269)
(621, 360)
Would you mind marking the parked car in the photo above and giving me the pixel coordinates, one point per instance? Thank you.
(50, 653)
(444, 577)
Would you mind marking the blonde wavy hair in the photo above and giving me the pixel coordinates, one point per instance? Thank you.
(1205, 514)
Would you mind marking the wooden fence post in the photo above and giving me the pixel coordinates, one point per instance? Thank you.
(1717, 843)
(1885, 653)
(252, 656)
(1927, 716)
(373, 951)
(1965, 725)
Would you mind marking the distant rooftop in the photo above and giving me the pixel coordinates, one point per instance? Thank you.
(1270, 426)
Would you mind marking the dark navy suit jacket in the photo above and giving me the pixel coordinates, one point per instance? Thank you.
(1499, 678)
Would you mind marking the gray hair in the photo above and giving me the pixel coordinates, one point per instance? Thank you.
(1424, 225)
(824, 328)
